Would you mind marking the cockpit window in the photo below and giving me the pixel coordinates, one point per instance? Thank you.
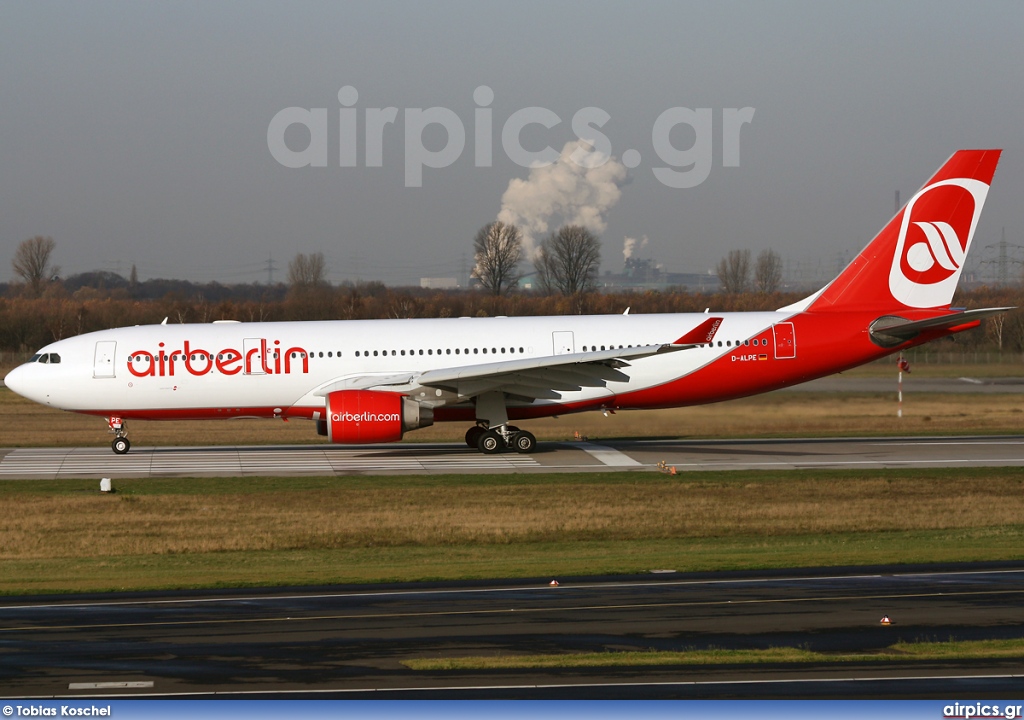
(54, 358)
(34, 358)
(45, 358)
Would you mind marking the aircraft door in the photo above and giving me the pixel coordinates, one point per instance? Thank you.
(103, 360)
(252, 360)
(563, 342)
(785, 341)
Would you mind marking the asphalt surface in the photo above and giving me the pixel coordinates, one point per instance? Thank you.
(684, 455)
(350, 641)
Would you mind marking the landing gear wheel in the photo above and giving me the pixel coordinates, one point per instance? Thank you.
(473, 435)
(524, 442)
(490, 443)
(121, 445)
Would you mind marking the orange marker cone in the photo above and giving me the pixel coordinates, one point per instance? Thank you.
(885, 620)
(553, 583)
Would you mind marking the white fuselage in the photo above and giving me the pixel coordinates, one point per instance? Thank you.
(142, 371)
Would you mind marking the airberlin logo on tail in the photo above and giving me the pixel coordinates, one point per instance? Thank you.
(264, 359)
(935, 235)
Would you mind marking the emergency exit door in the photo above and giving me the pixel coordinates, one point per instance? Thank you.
(785, 341)
(103, 360)
(563, 342)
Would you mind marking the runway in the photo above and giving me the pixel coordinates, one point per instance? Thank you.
(351, 641)
(596, 455)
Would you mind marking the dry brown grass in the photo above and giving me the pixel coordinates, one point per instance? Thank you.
(338, 515)
(27, 424)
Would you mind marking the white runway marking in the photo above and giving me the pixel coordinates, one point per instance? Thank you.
(607, 455)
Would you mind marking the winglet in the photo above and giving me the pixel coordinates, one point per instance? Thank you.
(702, 334)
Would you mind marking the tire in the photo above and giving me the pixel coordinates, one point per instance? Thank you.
(473, 435)
(490, 443)
(524, 442)
(121, 445)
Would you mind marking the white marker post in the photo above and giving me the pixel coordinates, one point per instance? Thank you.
(902, 364)
(899, 392)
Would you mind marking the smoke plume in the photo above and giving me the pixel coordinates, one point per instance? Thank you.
(564, 193)
(632, 244)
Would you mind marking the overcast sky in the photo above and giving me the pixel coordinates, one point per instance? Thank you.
(138, 132)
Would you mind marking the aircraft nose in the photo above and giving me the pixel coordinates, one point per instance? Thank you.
(15, 380)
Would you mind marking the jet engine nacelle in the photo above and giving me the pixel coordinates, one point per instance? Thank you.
(371, 416)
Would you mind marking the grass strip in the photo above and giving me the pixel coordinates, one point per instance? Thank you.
(66, 536)
(901, 651)
(560, 561)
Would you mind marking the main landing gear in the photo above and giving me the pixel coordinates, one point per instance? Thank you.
(503, 437)
(492, 433)
(120, 444)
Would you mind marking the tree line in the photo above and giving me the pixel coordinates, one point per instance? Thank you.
(43, 307)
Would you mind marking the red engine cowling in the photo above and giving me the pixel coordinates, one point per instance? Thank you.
(371, 416)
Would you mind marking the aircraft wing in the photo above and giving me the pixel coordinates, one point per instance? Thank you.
(547, 377)
(528, 378)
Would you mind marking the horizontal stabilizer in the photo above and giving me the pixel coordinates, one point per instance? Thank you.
(891, 330)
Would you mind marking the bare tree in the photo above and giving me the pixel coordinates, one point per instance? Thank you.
(32, 263)
(307, 271)
(734, 271)
(498, 248)
(768, 272)
(994, 327)
(568, 261)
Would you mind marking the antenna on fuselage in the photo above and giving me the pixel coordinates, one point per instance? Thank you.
(164, 322)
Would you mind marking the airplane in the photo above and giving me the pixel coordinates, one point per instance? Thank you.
(371, 381)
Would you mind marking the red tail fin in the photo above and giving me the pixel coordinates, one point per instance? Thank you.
(916, 260)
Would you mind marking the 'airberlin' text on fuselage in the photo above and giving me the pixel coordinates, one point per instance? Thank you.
(262, 360)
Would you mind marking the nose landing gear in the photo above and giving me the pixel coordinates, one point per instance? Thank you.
(120, 444)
